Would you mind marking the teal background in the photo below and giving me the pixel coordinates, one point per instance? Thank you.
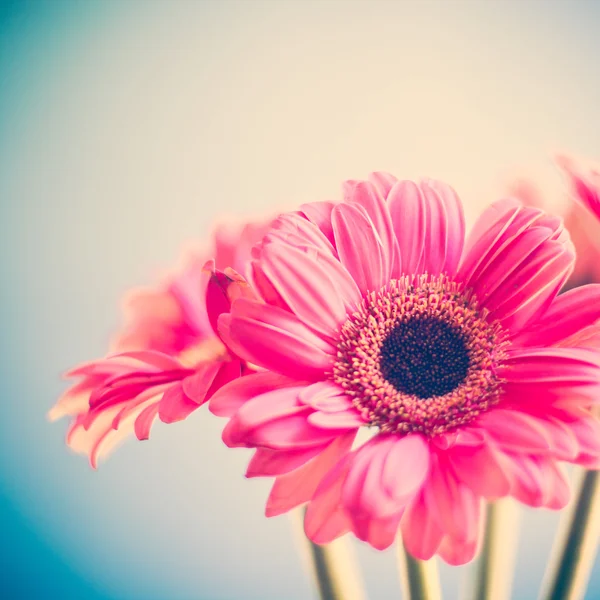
(126, 129)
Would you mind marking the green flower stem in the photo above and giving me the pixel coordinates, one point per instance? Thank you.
(495, 566)
(419, 578)
(576, 545)
(333, 567)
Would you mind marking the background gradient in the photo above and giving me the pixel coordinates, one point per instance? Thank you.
(126, 129)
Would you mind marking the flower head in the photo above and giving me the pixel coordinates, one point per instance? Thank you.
(583, 179)
(168, 358)
(471, 377)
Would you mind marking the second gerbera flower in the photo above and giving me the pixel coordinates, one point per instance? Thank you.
(461, 360)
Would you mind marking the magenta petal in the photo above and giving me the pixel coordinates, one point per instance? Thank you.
(229, 399)
(175, 405)
(359, 247)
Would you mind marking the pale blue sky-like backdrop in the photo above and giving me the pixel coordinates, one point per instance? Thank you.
(128, 127)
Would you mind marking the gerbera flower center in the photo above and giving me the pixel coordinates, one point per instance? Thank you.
(425, 356)
(420, 355)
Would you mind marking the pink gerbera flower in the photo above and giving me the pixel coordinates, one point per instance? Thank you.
(168, 359)
(584, 183)
(471, 376)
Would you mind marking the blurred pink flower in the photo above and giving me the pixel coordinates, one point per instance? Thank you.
(168, 358)
(474, 378)
(584, 185)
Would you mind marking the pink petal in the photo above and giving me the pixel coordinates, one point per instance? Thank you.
(197, 385)
(359, 247)
(514, 430)
(455, 222)
(568, 314)
(363, 495)
(406, 466)
(307, 287)
(349, 419)
(408, 212)
(276, 340)
(585, 180)
(325, 396)
(421, 534)
(298, 487)
(457, 552)
(232, 396)
(452, 504)
(383, 181)
(324, 520)
(445, 228)
(175, 405)
(489, 286)
(367, 195)
(493, 231)
(144, 421)
(319, 213)
(558, 366)
(529, 291)
(482, 469)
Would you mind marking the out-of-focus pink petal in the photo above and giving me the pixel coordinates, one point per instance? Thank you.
(267, 462)
(175, 405)
(227, 400)
(196, 386)
(421, 534)
(144, 421)
(482, 469)
(514, 430)
(458, 552)
(325, 520)
(585, 181)
(348, 419)
(383, 181)
(298, 487)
